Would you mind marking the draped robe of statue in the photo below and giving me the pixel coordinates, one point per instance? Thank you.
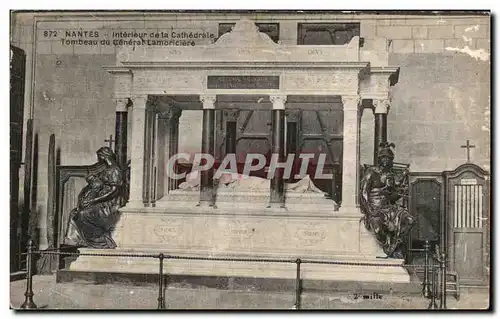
(92, 221)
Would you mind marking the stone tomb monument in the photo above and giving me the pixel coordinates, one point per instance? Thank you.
(268, 219)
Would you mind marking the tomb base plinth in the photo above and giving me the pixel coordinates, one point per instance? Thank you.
(378, 270)
(247, 231)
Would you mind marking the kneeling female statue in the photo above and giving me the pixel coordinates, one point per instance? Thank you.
(381, 189)
(92, 221)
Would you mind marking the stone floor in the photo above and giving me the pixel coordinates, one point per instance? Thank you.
(51, 295)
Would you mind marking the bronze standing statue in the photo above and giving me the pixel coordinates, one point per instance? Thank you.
(92, 221)
(381, 190)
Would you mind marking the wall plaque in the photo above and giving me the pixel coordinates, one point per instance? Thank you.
(468, 181)
(250, 82)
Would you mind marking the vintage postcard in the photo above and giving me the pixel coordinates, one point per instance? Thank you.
(292, 160)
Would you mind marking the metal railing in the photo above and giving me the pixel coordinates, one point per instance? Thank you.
(434, 274)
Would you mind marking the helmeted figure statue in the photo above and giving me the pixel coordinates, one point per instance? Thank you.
(381, 190)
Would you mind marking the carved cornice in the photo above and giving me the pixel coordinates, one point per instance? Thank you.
(230, 65)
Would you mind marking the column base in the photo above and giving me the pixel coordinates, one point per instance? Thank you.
(276, 205)
(135, 203)
(206, 204)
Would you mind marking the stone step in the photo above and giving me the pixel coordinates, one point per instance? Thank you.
(281, 285)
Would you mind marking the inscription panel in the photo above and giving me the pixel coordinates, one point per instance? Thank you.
(311, 233)
(166, 82)
(163, 230)
(340, 82)
(468, 181)
(250, 82)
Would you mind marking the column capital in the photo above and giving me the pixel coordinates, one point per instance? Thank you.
(139, 101)
(232, 115)
(278, 101)
(351, 102)
(208, 101)
(122, 104)
(173, 113)
(292, 115)
(381, 106)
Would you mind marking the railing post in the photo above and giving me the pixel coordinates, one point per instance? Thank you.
(432, 304)
(442, 268)
(297, 285)
(425, 287)
(161, 301)
(28, 301)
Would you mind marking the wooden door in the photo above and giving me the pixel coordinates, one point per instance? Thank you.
(242, 132)
(426, 205)
(321, 131)
(468, 227)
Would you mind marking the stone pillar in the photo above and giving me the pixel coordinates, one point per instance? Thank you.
(121, 130)
(153, 170)
(207, 147)
(277, 185)
(381, 108)
(175, 114)
(292, 118)
(292, 130)
(168, 141)
(137, 151)
(149, 154)
(231, 118)
(350, 151)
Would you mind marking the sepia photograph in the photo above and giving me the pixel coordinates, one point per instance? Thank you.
(250, 160)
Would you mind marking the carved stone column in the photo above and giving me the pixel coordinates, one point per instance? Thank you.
(381, 108)
(207, 147)
(174, 115)
(137, 151)
(350, 151)
(231, 117)
(168, 144)
(277, 194)
(149, 156)
(292, 130)
(121, 130)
